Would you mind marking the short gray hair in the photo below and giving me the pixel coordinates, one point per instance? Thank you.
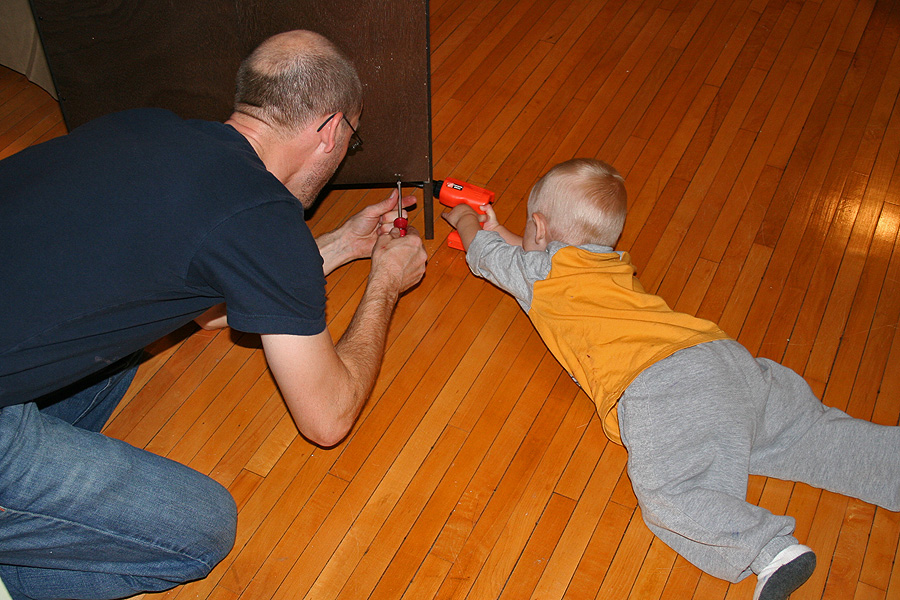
(295, 77)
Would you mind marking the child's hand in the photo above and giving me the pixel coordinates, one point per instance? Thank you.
(489, 220)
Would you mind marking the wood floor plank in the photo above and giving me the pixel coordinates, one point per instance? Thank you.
(224, 458)
(167, 375)
(824, 35)
(886, 410)
(534, 556)
(710, 588)
(501, 479)
(652, 578)
(222, 389)
(740, 249)
(447, 75)
(823, 541)
(188, 381)
(428, 579)
(584, 460)
(620, 578)
(442, 358)
(844, 575)
(683, 580)
(153, 358)
(556, 96)
(549, 445)
(414, 549)
(893, 589)
(604, 82)
(706, 204)
(863, 343)
(235, 397)
(876, 568)
(32, 127)
(867, 592)
(790, 241)
(703, 197)
(368, 569)
(854, 186)
(598, 545)
(659, 159)
(565, 66)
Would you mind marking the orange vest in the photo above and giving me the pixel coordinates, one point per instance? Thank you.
(600, 324)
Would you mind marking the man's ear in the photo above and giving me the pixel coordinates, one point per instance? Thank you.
(329, 133)
(541, 230)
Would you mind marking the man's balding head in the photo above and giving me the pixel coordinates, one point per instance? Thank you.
(295, 77)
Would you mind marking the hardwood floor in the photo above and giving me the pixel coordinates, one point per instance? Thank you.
(760, 143)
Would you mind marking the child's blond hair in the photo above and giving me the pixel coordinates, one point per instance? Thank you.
(584, 201)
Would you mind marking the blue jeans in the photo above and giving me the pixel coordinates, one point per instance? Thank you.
(83, 515)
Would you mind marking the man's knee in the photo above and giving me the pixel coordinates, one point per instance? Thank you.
(214, 531)
(190, 518)
(223, 539)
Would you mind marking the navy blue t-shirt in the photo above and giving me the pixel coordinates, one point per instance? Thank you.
(131, 226)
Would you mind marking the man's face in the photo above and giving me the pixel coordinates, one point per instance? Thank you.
(307, 185)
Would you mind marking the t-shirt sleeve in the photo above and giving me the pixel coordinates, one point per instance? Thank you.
(508, 267)
(265, 263)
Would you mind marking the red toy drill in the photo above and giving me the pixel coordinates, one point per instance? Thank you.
(452, 192)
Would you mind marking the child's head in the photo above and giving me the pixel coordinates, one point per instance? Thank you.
(582, 200)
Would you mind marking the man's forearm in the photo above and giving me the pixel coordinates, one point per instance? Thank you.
(333, 251)
(361, 348)
(214, 318)
(326, 384)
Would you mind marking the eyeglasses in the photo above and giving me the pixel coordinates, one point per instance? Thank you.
(355, 141)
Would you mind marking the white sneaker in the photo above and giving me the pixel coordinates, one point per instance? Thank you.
(788, 570)
(4, 595)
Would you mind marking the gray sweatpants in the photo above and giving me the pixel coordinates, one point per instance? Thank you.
(696, 423)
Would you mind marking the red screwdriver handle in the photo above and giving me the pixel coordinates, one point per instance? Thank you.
(401, 223)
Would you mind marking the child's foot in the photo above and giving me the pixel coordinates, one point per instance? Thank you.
(788, 570)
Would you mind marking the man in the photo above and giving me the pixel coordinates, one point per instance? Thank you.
(124, 230)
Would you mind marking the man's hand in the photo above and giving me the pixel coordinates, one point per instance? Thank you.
(356, 237)
(363, 228)
(398, 262)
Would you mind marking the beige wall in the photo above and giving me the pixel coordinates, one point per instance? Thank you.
(20, 45)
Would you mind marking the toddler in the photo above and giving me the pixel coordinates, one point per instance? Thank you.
(695, 410)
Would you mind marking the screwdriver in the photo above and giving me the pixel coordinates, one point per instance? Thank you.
(400, 222)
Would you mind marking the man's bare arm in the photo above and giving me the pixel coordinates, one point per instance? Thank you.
(214, 318)
(326, 385)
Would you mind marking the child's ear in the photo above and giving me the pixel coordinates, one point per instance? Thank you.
(541, 230)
